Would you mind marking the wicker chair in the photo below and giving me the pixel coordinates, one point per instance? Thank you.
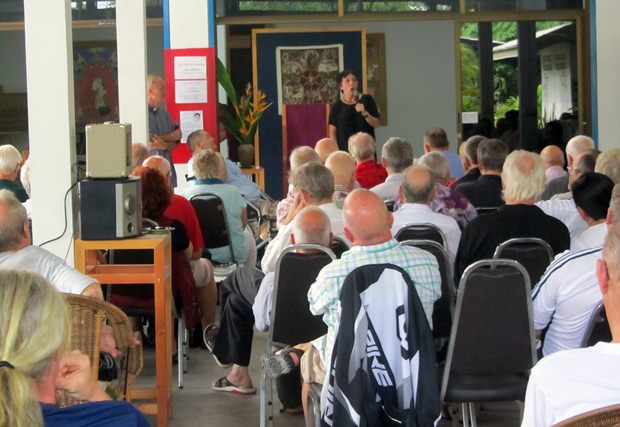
(87, 316)
(603, 417)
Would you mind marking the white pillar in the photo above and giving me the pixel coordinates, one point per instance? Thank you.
(190, 23)
(131, 48)
(51, 120)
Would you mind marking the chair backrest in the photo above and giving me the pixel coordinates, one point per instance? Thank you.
(532, 253)
(421, 232)
(443, 310)
(213, 221)
(290, 320)
(339, 246)
(492, 333)
(598, 328)
(487, 209)
(608, 416)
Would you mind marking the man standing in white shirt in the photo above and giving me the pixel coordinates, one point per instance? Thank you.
(416, 192)
(572, 382)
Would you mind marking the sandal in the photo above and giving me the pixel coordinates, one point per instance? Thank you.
(209, 335)
(226, 386)
(281, 363)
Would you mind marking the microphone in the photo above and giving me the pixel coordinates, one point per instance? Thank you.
(356, 96)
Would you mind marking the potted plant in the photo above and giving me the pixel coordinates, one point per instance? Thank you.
(240, 117)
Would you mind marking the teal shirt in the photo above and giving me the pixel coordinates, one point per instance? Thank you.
(12, 186)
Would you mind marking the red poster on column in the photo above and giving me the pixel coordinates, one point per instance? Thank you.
(191, 93)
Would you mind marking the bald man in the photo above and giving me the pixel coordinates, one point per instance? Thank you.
(183, 211)
(342, 166)
(553, 159)
(368, 226)
(575, 146)
(201, 140)
(324, 147)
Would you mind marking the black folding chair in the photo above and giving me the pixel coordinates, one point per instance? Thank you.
(421, 232)
(531, 252)
(492, 347)
(290, 319)
(598, 328)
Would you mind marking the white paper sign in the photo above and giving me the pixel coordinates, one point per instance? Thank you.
(468, 117)
(190, 91)
(190, 67)
(190, 122)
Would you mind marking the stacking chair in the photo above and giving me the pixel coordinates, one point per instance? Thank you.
(421, 232)
(443, 310)
(215, 231)
(290, 319)
(598, 328)
(491, 348)
(339, 246)
(487, 209)
(532, 253)
(87, 317)
(609, 416)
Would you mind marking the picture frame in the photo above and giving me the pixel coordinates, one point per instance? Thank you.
(376, 73)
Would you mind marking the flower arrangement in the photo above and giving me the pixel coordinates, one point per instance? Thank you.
(243, 113)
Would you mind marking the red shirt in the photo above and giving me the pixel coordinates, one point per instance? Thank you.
(368, 173)
(182, 210)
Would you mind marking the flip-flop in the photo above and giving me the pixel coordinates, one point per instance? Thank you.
(209, 335)
(226, 386)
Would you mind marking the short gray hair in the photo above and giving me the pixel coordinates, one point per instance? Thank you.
(579, 144)
(316, 232)
(614, 204)
(10, 158)
(608, 163)
(315, 179)
(209, 164)
(470, 147)
(436, 163)
(397, 153)
(491, 154)
(611, 248)
(523, 176)
(362, 146)
(302, 155)
(24, 176)
(418, 192)
(11, 227)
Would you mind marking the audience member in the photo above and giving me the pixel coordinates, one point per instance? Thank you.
(576, 145)
(246, 298)
(17, 251)
(36, 364)
(367, 172)
(201, 140)
(486, 191)
(10, 162)
(553, 159)
(324, 147)
(396, 156)
(342, 167)
(608, 163)
(417, 192)
(468, 152)
(571, 382)
(523, 177)
(298, 157)
(447, 201)
(565, 297)
(24, 177)
(591, 193)
(163, 133)
(211, 174)
(181, 209)
(139, 153)
(436, 140)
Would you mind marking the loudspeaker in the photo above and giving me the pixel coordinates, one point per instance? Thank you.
(110, 208)
(108, 150)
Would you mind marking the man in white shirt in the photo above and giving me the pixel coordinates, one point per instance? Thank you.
(572, 382)
(396, 156)
(416, 192)
(591, 193)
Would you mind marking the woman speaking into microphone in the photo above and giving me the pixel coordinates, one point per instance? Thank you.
(353, 112)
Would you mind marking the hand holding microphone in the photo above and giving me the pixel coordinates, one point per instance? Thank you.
(359, 107)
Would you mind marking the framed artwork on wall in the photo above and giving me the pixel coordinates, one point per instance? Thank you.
(95, 70)
(375, 71)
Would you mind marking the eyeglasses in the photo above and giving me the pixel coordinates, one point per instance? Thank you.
(573, 171)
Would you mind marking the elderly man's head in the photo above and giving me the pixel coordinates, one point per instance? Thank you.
(608, 275)
(139, 153)
(302, 155)
(608, 163)
(209, 164)
(396, 155)
(552, 155)
(436, 139)
(362, 146)
(523, 177)
(155, 90)
(437, 164)
(311, 225)
(577, 145)
(342, 167)
(314, 182)
(366, 219)
(324, 147)
(10, 161)
(14, 229)
(160, 164)
(583, 163)
(469, 151)
(491, 155)
(418, 185)
(201, 140)
(592, 194)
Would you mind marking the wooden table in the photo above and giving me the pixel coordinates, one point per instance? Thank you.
(258, 175)
(157, 400)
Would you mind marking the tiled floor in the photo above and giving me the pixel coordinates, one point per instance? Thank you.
(197, 405)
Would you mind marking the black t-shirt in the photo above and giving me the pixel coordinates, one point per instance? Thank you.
(348, 121)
